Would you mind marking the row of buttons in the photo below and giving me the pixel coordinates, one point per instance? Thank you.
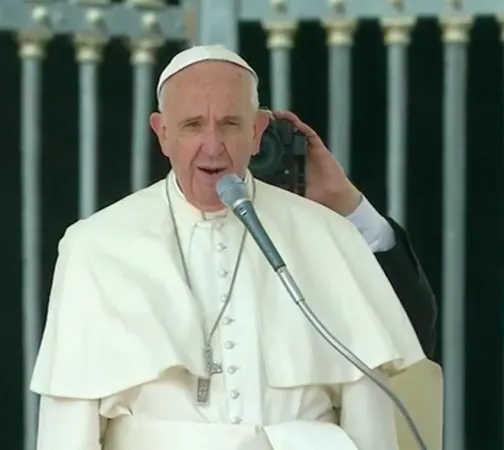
(234, 394)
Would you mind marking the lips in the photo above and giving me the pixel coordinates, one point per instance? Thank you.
(212, 170)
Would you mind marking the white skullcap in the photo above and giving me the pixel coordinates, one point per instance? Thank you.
(198, 54)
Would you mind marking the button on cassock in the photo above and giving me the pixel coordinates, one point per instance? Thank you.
(234, 394)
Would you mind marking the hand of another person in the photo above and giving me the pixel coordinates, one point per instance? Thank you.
(326, 181)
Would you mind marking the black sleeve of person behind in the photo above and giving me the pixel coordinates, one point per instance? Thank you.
(407, 277)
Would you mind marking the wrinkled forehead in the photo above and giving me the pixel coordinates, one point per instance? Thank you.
(220, 86)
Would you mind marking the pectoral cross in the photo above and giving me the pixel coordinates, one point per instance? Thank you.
(212, 368)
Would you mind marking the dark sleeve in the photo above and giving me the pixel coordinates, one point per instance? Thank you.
(404, 272)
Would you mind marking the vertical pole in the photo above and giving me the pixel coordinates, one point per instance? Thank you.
(143, 54)
(88, 55)
(31, 53)
(340, 33)
(280, 42)
(455, 37)
(218, 23)
(397, 36)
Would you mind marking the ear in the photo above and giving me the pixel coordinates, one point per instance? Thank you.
(157, 125)
(262, 121)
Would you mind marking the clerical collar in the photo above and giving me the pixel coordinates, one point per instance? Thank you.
(183, 208)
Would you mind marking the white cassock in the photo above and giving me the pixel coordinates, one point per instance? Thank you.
(123, 342)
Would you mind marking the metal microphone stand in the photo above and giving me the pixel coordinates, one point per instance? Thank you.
(298, 298)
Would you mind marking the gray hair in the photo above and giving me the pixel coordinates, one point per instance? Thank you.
(254, 93)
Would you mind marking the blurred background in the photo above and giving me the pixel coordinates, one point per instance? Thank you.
(40, 151)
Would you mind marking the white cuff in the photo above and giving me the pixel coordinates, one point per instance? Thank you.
(68, 424)
(374, 228)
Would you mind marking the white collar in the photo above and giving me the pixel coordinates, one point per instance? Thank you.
(189, 213)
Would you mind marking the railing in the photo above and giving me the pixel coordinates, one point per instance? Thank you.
(147, 24)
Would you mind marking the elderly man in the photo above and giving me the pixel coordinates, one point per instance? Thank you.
(167, 329)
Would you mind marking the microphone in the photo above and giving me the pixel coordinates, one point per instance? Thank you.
(233, 193)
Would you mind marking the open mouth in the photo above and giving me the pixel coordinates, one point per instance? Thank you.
(211, 171)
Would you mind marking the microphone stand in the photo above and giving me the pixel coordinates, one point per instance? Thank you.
(298, 298)
(233, 193)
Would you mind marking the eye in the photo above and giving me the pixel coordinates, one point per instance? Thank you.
(192, 124)
(232, 123)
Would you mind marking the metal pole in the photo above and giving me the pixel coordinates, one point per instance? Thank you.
(455, 37)
(280, 42)
(217, 23)
(31, 53)
(340, 34)
(397, 35)
(88, 57)
(89, 46)
(142, 59)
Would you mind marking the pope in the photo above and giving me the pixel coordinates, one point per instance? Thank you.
(166, 327)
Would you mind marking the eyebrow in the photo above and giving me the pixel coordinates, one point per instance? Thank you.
(236, 118)
(190, 119)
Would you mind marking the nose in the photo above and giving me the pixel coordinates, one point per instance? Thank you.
(212, 144)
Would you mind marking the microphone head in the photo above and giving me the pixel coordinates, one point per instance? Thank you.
(231, 190)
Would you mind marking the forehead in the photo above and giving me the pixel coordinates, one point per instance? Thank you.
(210, 84)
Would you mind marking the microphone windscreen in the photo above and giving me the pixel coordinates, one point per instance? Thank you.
(231, 189)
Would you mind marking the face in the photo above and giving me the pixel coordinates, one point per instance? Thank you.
(208, 128)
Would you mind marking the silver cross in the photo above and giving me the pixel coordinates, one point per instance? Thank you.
(203, 386)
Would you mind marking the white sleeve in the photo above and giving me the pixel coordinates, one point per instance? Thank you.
(368, 415)
(374, 228)
(68, 424)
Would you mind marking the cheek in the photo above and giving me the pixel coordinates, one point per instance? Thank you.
(241, 145)
(167, 148)
(182, 151)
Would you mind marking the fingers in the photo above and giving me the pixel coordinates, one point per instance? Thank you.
(313, 138)
(268, 112)
(291, 117)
